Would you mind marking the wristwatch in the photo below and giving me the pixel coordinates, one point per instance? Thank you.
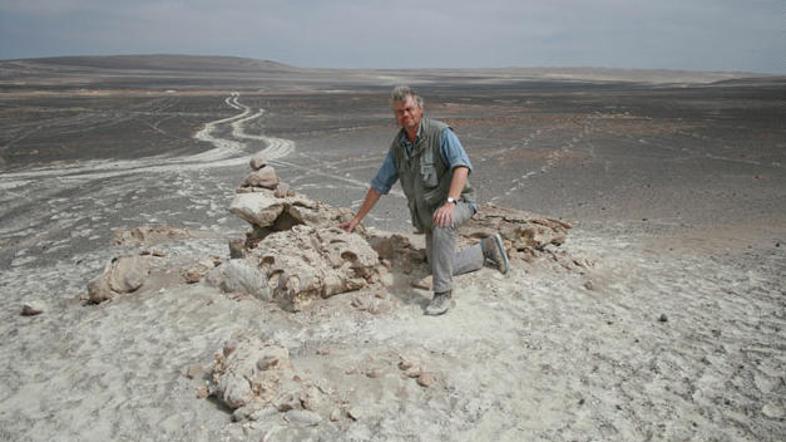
(452, 200)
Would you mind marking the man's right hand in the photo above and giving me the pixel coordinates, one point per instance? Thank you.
(349, 226)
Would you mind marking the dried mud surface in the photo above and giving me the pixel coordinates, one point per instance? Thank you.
(660, 317)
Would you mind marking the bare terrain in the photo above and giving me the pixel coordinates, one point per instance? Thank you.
(667, 322)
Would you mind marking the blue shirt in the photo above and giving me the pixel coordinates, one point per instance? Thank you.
(452, 152)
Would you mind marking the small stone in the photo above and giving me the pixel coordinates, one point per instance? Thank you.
(373, 373)
(258, 160)
(663, 318)
(193, 275)
(202, 392)
(303, 417)
(413, 372)
(405, 364)
(773, 411)
(281, 190)
(335, 415)
(589, 285)
(229, 347)
(286, 402)
(32, 308)
(354, 413)
(426, 380)
(424, 283)
(237, 248)
(267, 362)
(194, 371)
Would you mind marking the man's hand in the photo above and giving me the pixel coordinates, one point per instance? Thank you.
(443, 216)
(349, 226)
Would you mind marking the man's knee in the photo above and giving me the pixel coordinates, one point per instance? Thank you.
(440, 233)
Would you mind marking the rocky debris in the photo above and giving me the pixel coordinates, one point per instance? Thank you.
(32, 308)
(256, 379)
(240, 276)
(196, 272)
(411, 369)
(123, 274)
(374, 303)
(399, 252)
(151, 234)
(242, 372)
(307, 263)
(525, 234)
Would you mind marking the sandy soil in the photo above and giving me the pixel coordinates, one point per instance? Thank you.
(673, 331)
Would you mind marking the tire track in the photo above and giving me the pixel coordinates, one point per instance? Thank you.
(225, 152)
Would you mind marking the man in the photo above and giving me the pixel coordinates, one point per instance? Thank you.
(433, 168)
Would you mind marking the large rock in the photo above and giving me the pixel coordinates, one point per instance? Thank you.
(240, 276)
(307, 263)
(268, 213)
(260, 209)
(124, 274)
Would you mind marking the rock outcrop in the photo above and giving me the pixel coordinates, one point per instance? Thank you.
(526, 235)
(296, 244)
(255, 378)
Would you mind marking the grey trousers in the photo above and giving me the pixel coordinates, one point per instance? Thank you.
(441, 252)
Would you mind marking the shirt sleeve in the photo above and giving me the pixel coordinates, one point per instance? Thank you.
(453, 152)
(386, 176)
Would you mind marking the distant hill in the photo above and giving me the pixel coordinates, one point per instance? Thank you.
(162, 62)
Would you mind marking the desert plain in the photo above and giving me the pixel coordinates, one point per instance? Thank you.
(660, 317)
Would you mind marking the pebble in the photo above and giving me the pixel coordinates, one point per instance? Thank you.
(373, 373)
(303, 417)
(32, 309)
(202, 392)
(773, 411)
(194, 371)
(335, 415)
(663, 318)
(426, 380)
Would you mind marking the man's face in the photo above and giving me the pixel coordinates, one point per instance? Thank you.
(408, 113)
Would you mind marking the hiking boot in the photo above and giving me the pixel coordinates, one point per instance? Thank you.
(494, 252)
(441, 303)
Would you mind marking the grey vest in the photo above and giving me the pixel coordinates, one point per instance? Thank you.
(425, 177)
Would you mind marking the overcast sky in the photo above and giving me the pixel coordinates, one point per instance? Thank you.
(742, 35)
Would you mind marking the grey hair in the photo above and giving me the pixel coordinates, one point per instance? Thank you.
(400, 93)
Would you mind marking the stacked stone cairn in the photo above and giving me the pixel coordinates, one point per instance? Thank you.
(294, 253)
